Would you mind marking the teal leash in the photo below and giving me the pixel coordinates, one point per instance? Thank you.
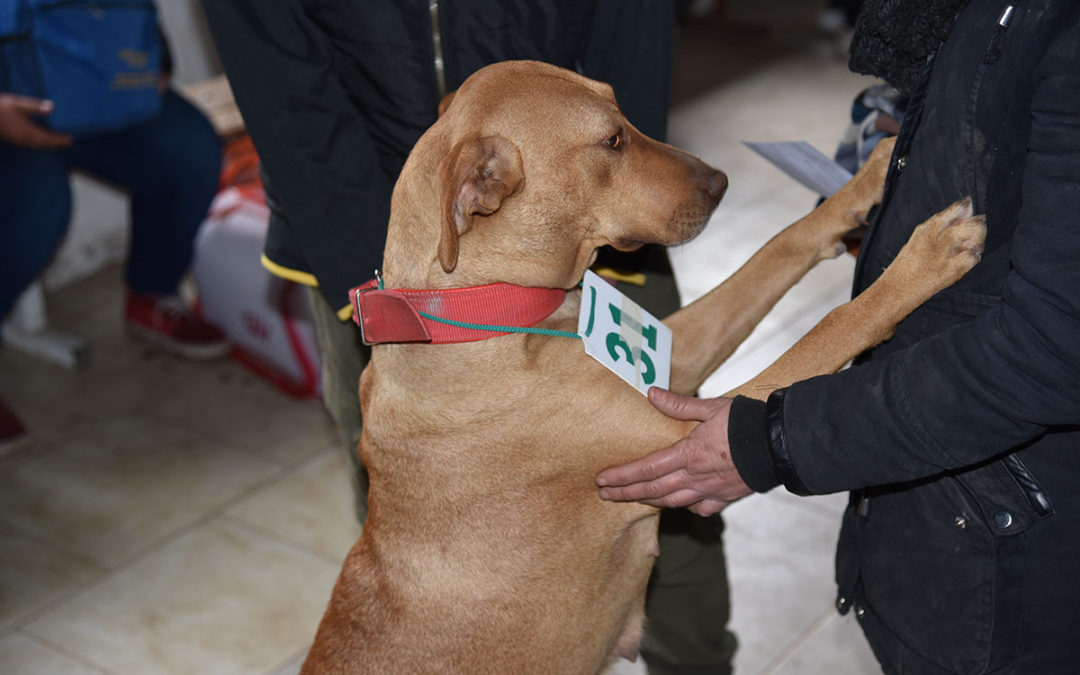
(500, 329)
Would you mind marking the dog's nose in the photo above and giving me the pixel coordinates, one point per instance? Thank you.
(716, 184)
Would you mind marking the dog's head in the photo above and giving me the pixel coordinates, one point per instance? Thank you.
(537, 168)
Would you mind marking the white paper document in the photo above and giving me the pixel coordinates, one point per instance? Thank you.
(804, 163)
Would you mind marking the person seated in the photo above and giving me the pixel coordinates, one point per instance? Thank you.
(169, 164)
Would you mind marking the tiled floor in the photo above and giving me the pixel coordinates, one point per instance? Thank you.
(188, 518)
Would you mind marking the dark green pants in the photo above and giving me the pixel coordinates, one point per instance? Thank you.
(687, 606)
(343, 359)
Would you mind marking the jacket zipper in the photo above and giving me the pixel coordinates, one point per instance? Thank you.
(997, 42)
(436, 42)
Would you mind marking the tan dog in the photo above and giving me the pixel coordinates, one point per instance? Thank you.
(487, 548)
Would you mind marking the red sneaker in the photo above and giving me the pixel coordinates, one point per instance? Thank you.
(13, 434)
(167, 322)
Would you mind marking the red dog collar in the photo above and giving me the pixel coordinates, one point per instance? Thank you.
(439, 316)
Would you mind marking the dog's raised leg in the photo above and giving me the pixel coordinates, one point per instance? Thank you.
(708, 330)
(938, 253)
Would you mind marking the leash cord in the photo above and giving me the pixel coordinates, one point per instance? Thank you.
(500, 329)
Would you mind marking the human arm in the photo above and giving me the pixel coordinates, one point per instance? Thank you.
(18, 128)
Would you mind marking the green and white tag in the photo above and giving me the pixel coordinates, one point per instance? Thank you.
(622, 336)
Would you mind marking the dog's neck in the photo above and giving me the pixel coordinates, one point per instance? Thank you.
(453, 315)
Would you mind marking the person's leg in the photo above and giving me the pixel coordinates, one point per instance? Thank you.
(171, 166)
(36, 200)
(343, 359)
(687, 605)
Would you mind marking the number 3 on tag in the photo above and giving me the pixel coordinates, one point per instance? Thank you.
(622, 336)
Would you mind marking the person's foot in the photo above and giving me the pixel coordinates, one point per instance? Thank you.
(167, 322)
(13, 435)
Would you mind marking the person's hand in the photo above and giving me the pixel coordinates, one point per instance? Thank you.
(17, 127)
(696, 472)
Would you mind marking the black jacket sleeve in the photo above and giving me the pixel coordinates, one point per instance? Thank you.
(317, 154)
(979, 388)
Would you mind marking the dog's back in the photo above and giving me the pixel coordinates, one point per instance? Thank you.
(486, 548)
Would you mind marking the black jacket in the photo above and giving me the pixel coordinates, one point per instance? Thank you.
(961, 435)
(336, 92)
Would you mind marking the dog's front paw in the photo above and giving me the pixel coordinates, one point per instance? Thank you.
(864, 191)
(840, 218)
(943, 248)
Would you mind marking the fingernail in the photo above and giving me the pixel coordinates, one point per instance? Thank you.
(601, 482)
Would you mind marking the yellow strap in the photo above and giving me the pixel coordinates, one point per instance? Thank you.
(305, 278)
(635, 278)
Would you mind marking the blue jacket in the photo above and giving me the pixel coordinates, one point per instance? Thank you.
(960, 437)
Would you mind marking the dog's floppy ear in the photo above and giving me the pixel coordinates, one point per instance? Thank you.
(474, 177)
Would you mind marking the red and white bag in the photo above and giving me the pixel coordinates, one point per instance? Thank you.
(268, 319)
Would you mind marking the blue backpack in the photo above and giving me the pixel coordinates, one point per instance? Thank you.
(99, 62)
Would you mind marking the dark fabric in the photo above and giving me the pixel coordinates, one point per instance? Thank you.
(687, 606)
(343, 357)
(166, 52)
(371, 68)
(169, 165)
(779, 451)
(894, 39)
(750, 445)
(961, 547)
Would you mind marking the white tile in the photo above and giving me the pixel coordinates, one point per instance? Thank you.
(836, 648)
(21, 655)
(312, 506)
(57, 404)
(33, 574)
(110, 495)
(624, 667)
(220, 599)
(228, 403)
(780, 566)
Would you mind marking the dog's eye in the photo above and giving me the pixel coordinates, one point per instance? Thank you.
(614, 142)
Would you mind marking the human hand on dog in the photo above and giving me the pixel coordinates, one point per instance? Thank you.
(696, 472)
